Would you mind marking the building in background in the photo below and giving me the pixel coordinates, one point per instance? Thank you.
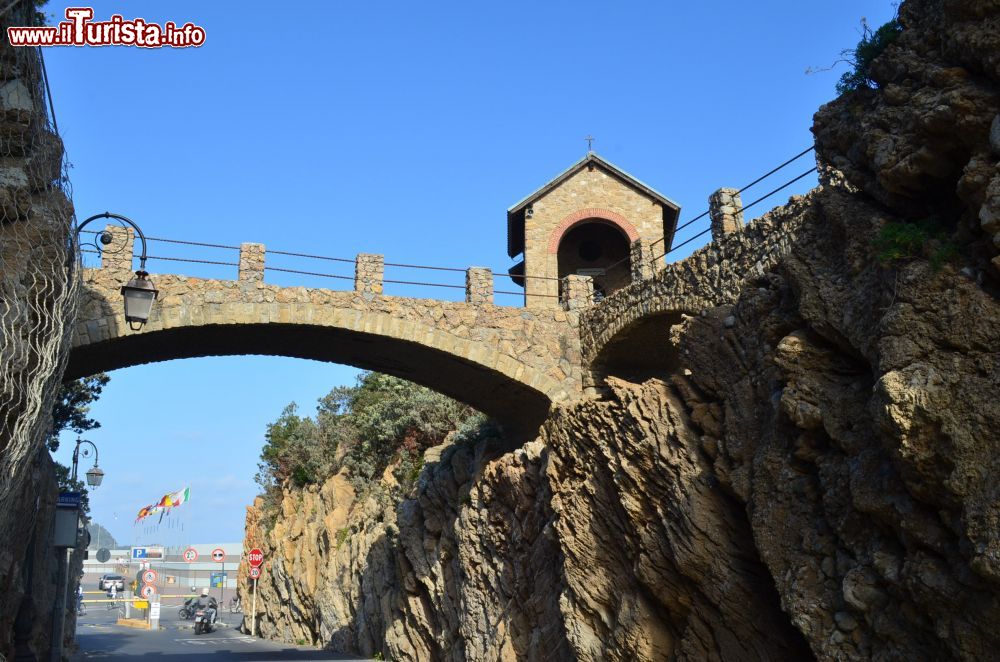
(173, 572)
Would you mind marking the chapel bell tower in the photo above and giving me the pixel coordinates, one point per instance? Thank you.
(584, 222)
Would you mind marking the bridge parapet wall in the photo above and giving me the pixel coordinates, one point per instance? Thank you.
(478, 286)
(537, 347)
(710, 277)
(369, 272)
(251, 262)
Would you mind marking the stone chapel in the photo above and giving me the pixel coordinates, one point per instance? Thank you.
(586, 221)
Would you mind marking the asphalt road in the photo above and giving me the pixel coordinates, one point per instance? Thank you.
(99, 638)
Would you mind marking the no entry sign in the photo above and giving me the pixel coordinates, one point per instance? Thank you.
(190, 555)
(218, 555)
(255, 558)
(255, 573)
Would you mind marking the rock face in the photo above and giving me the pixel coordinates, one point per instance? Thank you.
(927, 142)
(38, 292)
(605, 539)
(816, 476)
(853, 410)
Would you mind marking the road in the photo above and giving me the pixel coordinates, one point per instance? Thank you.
(99, 638)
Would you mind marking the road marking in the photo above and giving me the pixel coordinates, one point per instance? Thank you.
(214, 641)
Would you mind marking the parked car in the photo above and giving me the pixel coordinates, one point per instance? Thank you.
(104, 583)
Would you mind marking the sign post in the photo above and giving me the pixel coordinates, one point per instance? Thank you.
(219, 556)
(255, 558)
(67, 521)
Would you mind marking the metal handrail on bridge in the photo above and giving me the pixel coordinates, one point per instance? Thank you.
(741, 209)
(495, 273)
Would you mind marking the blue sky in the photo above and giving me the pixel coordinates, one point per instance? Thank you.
(405, 129)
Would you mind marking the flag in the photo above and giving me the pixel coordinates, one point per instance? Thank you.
(175, 498)
(163, 506)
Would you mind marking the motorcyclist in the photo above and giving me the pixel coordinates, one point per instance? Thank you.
(209, 604)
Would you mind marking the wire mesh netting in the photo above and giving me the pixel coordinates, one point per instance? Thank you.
(39, 279)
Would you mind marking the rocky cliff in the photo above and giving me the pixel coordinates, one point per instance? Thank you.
(38, 291)
(817, 478)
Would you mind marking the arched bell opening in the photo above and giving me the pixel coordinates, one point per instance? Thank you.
(599, 249)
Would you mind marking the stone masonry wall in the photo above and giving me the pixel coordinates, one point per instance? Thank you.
(711, 276)
(593, 190)
(538, 347)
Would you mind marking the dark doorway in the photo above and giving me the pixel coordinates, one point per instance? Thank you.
(597, 249)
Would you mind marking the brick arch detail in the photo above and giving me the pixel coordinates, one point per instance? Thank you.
(577, 217)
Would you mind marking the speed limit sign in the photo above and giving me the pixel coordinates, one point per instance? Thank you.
(147, 591)
(254, 573)
(190, 555)
(149, 577)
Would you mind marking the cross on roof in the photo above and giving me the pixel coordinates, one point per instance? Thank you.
(590, 142)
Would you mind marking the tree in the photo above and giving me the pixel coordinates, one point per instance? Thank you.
(70, 412)
(72, 407)
(361, 427)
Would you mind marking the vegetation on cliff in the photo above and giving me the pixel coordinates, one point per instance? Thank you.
(860, 58)
(381, 421)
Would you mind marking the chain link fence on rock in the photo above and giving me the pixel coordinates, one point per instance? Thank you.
(39, 272)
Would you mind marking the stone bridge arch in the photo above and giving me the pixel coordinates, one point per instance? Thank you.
(509, 363)
(627, 334)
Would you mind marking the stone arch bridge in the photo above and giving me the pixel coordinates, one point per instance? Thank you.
(510, 363)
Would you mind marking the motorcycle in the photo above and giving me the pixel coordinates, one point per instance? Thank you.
(186, 612)
(204, 618)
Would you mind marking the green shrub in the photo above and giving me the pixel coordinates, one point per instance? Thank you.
(363, 428)
(860, 58)
(342, 535)
(927, 238)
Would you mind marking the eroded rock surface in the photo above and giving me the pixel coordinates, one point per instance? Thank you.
(607, 538)
(853, 410)
(927, 142)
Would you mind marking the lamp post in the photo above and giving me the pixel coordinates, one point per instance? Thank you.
(68, 519)
(96, 474)
(139, 293)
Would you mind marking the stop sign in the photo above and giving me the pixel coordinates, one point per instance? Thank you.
(255, 557)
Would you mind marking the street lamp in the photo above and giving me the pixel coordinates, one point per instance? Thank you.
(96, 474)
(139, 293)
